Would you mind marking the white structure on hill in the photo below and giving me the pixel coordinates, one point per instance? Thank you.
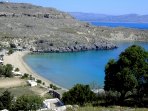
(4, 110)
(17, 73)
(98, 91)
(32, 83)
(54, 104)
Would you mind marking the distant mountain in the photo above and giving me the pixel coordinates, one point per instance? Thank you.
(110, 18)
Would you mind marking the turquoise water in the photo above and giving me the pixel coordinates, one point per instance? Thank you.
(67, 69)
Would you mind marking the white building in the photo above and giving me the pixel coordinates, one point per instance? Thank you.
(4, 110)
(54, 104)
(17, 73)
(98, 91)
(32, 83)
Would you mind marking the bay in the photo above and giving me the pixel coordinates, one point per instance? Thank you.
(68, 69)
(142, 26)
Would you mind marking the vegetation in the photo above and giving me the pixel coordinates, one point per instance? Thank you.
(28, 102)
(112, 108)
(126, 81)
(6, 100)
(25, 90)
(39, 81)
(6, 70)
(24, 102)
(79, 94)
(54, 87)
(129, 75)
(17, 69)
(19, 91)
(12, 45)
(10, 51)
(31, 78)
(25, 76)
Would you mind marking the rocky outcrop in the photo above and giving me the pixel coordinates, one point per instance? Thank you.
(49, 30)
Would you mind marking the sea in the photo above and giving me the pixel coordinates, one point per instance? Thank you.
(142, 26)
(86, 67)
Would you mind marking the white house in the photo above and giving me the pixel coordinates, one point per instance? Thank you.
(98, 91)
(54, 104)
(32, 83)
(4, 110)
(16, 73)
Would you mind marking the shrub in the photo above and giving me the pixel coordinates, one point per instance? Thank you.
(12, 45)
(8, 70)
(6, 100)
(39, 81)
(28, 102)
(25, 76)
(112, 97)
(79, 94)
(10, 51)
(54, 87)
(17, 69)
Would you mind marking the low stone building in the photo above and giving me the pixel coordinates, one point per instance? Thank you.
(32, 83)
(54, 104)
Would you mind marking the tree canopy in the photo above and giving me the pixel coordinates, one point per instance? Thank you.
(28, 102)
(79, 94)
(6, 70)
(6, 100)
(129, 72)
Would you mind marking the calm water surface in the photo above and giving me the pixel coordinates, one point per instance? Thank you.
(127, 25)
(67, 69)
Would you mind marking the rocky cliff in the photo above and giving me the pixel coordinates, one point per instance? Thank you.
(50, 30)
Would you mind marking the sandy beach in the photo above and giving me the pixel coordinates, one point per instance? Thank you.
(16, 59)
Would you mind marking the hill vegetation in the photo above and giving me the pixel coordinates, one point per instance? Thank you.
(46, 29)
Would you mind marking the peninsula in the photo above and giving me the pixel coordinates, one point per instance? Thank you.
(48, 30)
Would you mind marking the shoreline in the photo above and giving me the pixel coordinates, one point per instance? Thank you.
(16, 59)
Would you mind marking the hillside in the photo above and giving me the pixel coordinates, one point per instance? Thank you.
(50, 30)
(128, 18)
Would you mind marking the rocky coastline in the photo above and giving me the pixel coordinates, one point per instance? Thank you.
(76, 48)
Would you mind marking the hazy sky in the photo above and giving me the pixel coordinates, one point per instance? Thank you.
(115, 7)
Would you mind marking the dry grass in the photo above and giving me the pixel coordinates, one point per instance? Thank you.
(114, 108)
(21, 90)
(11, 82)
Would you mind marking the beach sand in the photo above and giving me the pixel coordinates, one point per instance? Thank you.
(16, 59)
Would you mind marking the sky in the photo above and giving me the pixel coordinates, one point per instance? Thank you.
(111, 7)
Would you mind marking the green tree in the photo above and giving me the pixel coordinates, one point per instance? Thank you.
(17, 69)
(2, 70)
(25, 76)
(28, 102)
(12, 45)
(6, 100)
(129, 72)
(79, 94)
(8, 70)
(39, 81)
(10, 51)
